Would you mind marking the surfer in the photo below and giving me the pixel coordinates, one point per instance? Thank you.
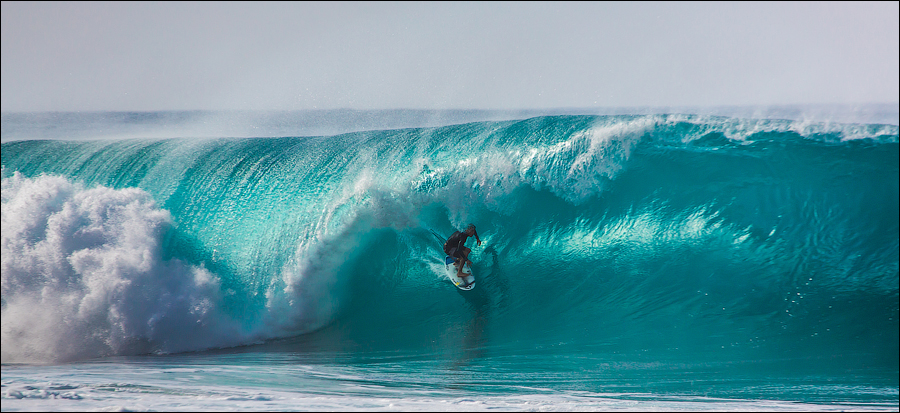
(456, 247)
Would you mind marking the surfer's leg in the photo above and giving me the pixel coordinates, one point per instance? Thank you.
(453, 254)
(463, 255)
(466, 252)
(460, 262)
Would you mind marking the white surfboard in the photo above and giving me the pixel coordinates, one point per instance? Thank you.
(466, 282)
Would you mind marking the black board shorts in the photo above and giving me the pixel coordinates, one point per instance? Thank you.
(455, 252)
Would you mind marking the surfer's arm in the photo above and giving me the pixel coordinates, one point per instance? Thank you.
(477, 238)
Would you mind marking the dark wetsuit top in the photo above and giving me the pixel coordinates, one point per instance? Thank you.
(454, 245)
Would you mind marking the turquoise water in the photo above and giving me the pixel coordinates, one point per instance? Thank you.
(629, 261)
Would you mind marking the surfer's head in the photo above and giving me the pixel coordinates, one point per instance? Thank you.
(470, 229)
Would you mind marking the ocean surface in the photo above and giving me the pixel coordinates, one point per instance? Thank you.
(633, 259)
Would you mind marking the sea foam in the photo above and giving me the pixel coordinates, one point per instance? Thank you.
(83, 276)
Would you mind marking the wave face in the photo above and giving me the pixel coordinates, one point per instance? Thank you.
(693, 236)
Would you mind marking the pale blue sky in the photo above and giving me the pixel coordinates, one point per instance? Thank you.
(216, 55)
